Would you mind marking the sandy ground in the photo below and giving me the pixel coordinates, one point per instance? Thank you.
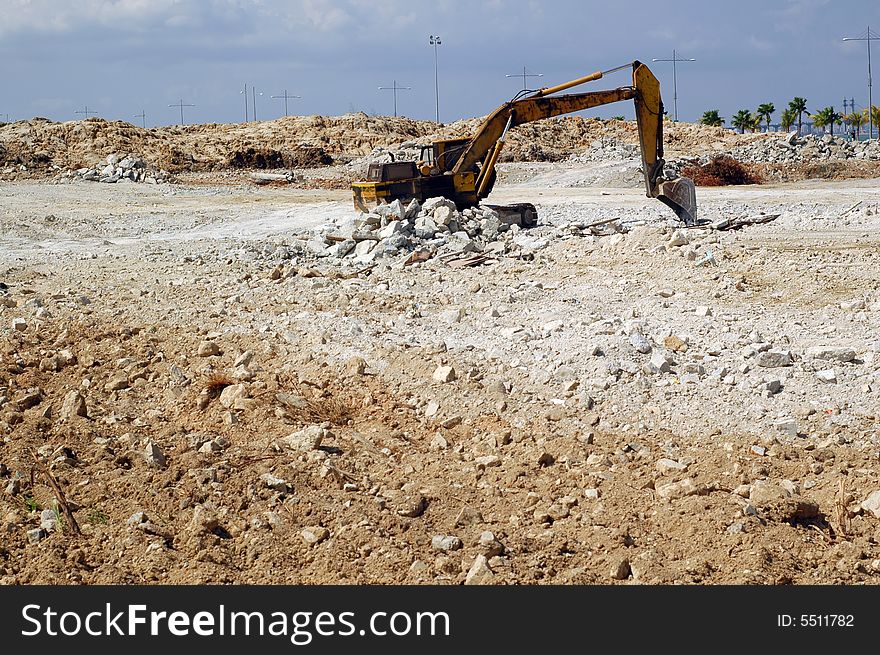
(553, 453)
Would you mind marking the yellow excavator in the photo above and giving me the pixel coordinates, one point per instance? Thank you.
(463, 170)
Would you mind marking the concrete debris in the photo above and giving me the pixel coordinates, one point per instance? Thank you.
(116, 169)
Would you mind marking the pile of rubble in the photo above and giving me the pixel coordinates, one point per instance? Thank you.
(114, 168)
(602, 150)
(435, 228)
(810, 148)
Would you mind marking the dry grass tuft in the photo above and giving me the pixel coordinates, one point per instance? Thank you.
(216, 383)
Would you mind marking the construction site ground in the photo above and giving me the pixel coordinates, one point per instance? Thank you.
(198, 344)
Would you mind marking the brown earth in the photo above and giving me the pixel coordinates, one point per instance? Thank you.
(305, 141)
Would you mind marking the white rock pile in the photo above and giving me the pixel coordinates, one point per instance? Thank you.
(436, 226)
(115, 168)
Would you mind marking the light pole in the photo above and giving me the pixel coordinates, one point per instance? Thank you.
(395, 89)
(254, 94)
(245, 102)
(434, 40)
(286, 98)
(524, 75)
(181, 105)
(675, 58)
(867, 37)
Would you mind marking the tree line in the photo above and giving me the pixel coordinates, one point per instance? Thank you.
(826, 117)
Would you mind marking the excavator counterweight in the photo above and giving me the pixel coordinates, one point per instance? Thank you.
(463, 170)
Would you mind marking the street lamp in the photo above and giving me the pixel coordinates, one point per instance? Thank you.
(524, 75)
(435, 41)
(254, 94)
(245, 102)
(286, 98)
(675, 58)
(867, 37)
(395, 89)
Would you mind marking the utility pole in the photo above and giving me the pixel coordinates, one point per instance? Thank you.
(434, 40)
(5, 118)
(181, 105)
(86, 112)
(143, 117)
(674, 60)
(286, 98)
(868, 36)
(395, 89)
(524, 75)
(254, 94)
(245, 102)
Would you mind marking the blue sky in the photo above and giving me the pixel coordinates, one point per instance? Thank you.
(120, 57)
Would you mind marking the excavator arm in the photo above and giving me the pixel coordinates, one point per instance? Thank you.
(481, 154)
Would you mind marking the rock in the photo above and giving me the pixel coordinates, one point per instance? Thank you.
(480, 573)
(117, 383)
(355, 366)
(788, 426)
(315, 535)
(36, 535)
(678, 239)
(29, 398)
(774, 358)
(660, 363)
(73, 405)
(413, 507)
(638, 341)
(208, 349)
(48, 520)
(675, 344)
(232, 393)
(763, 493)
(204, 519)
(703, 310)
(467, 517)
(872, 503)
(490, 545)
(19, 324)
(244, 359)
(445, 542)
(667, 465)
(828, 375)
(835, 353)
(275, 483)
(154, 455)
(137, 519)
(444, 374)
(309, 438)
(488, 461)
(620, 569)
(686, 487)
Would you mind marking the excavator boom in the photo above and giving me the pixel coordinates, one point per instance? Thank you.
(482, 153)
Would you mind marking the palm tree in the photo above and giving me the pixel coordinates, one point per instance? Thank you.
(743, 120)
(787, 118)
(855, 120)
(827, 117)
(712, 118)
(798, 106)
(875, 112)
(765, 111)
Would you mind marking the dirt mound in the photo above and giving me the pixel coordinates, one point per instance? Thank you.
(305, 157)
(721, 171)
(41, 146)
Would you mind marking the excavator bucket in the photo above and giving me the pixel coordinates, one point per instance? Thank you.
(680, 195)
